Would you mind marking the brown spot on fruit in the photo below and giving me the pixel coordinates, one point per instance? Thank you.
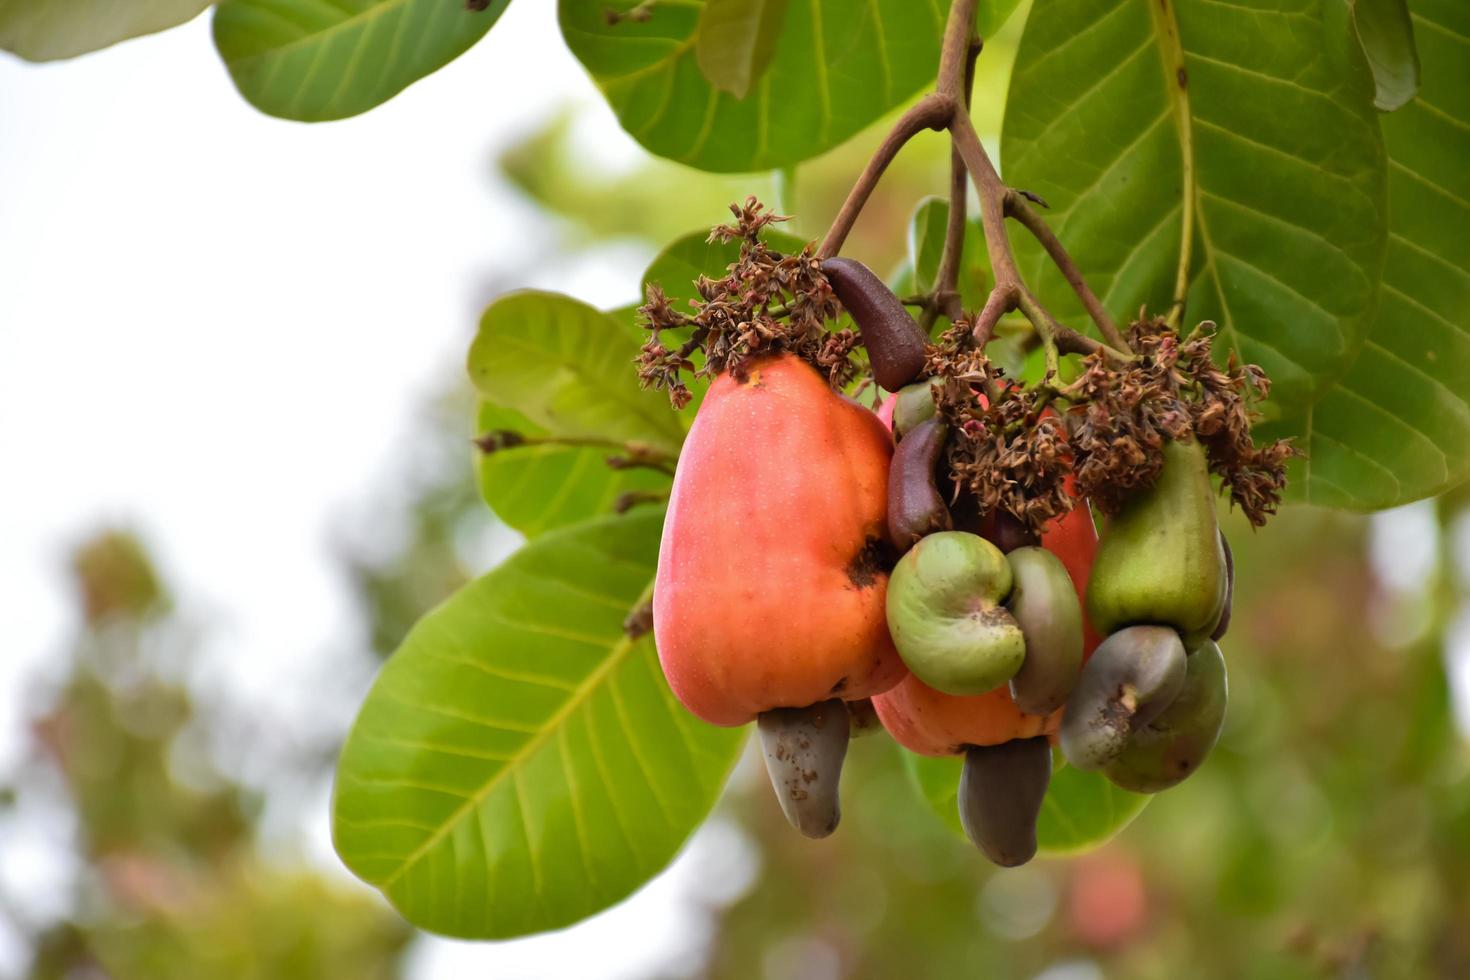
(870, 564)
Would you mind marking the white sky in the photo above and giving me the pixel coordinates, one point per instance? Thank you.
(219, 328)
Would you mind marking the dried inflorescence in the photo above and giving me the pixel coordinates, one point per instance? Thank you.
(1015, 455)
(1014, 449)
(767, 302)
(1005, 448)
(1174, 389)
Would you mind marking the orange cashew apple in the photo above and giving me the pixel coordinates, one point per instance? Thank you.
(773, 571)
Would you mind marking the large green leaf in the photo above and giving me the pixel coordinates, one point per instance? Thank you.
(540, 486)
(1387, 34)
(1082, 810)
(1254, 118)
(44, 30)
(327, 59)
(520, 762)
(736, 41)
(568, 368)
(838, 66)
(1397, 427)
(991, 15)
(535, 488)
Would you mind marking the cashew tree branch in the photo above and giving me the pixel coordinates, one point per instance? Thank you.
(947, 107)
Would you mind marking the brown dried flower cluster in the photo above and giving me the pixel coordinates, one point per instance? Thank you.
(766, 303)
(1173, 390)
(1015, 455)
(1004, 447)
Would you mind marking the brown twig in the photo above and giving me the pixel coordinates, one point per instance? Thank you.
(1017, 207)
(947, 108)
(1001, 301)
(945, 298)
(642, 460)
(629, 499)
(959, 30)
(633, 453)
(992, 194)
(931, 112)
(1070, 341)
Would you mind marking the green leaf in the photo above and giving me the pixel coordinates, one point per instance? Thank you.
(926, 248)
(991, 15)
(838, 67)
(736, 41)
(314, 60)
(1255, 119)
(1387, 34)
(536, 488)
(1397, 427)
(45, 30)
(568, 368)
(520, 763)
(1081, 811)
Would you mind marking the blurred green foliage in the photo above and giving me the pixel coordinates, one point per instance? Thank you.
(172, 883)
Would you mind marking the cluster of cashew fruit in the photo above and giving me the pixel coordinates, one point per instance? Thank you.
(817, 557)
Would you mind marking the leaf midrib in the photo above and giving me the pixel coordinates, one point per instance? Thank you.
(575, 700)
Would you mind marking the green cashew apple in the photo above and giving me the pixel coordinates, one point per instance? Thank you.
(1170, 748)
(946, 615)
(1160, 559)
(1044, 603)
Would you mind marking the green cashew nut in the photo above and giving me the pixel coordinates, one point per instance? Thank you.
(1001, 791)
(1044, 604)
(1170, 748)
(1132, 677)
(946, 618)
(1160, 558)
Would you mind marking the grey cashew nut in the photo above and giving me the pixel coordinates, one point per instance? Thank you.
(804, 750)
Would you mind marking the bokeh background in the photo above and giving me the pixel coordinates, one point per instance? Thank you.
(234, 467)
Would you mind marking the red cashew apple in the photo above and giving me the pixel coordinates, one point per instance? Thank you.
(772, 575)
